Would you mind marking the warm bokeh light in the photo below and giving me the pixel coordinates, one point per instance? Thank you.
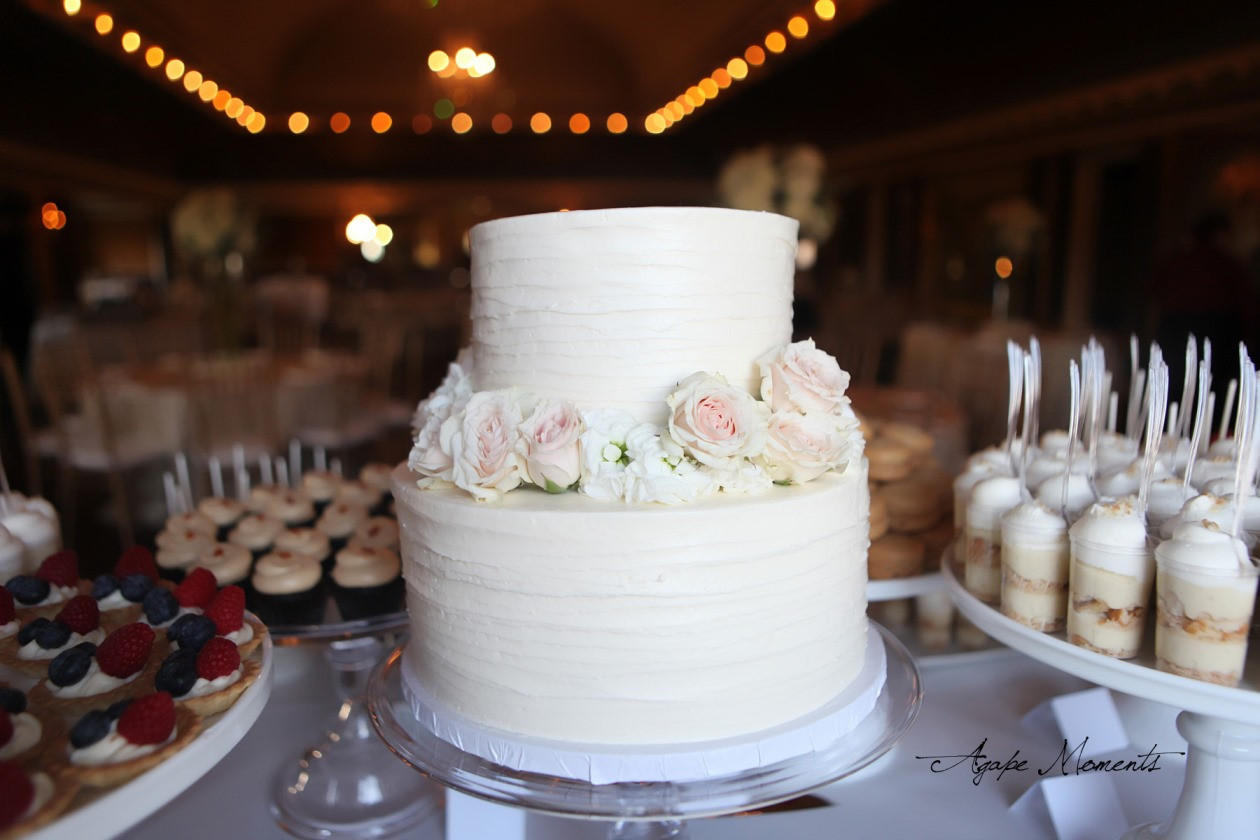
(299, 122)
(798, 27)
(775, 42)
(448, 71)
(461, 123)
(654, 123)
(738, 68)
(709, 88)
(339, 122)
(256, 123)
(234, 107)
(51, 216)
(501, 123)
(104, 24)
(540, 123)
(666, 115)
(825, 9)
(676, 109)
(221, 99)
(244, 116)
(72, 7)
(154, 56)
(422, 123)
(579, 123)
(438, 61)
(722, 77)
(207, 90)
(192, 81)
(174, 69)
(382, 122)
(443, 108)
(49, 206)
(361, 228)
(687, 105)
(383, 235)
(464, 57)
(483, 66)
(695, 96)
(130, 41)
(617, 123)
(372, 251)
(755, 55)
(1003, 267)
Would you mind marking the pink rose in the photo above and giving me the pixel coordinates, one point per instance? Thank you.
(481, 441)
(801, 447)
(716, 424)
(800, 377)
(549, 444)
(427, 456)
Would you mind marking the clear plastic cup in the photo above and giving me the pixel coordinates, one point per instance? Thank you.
(1109, 589)
(1203, 617)
(1035, 563)
(982, 569)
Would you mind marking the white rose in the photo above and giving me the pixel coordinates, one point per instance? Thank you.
(427, 456)
(658, 471)
(716, 423)
(549, 444)
(800, 377)
(747, 477)
(801, 447)
(481, 441)
(452, 395)
(603, 450)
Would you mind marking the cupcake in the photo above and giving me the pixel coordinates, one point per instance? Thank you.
(229, 563)
(291, 508)
(257, 533)
(288, 589)
(177, 551)
(377, 475)
(224, 512)
(191, 520)
(367, 581)
(261, 495)
(320, 486)
(339, 521)
(378, 532)
(358, 493)
(309, 541)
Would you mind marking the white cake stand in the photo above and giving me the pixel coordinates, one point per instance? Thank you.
(1220, 724)
(647, 809)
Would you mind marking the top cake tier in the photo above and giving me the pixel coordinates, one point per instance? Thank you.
(612, 308)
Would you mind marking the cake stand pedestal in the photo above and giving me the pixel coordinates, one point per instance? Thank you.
(1221, 724)
(349, 786)
(646, 810)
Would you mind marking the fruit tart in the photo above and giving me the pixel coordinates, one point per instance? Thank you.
(87, 676)
(32, 797)
(53, 583)
(208, 680)
(25, 733)
(109, 746)
(120, 593)
(41, 639)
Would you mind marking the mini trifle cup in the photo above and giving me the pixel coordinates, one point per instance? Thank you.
(982, 571)
(1035, 561)
(1205, 595)
(1112, 570)
(976, 471)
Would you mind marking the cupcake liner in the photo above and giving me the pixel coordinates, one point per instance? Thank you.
(356, 602)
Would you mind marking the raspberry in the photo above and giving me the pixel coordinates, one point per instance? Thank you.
(60, 569)
(126, 650)
(6, 727)
(148, 719)
(218, 658)
(227, 610)
(81, 614)
(197, 589)
(18, 793)
(7, 612)
(136, 560)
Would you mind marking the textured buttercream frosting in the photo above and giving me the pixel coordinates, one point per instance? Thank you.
(612, 308)
(565, 617)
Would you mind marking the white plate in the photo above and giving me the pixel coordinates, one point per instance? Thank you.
(117, 810)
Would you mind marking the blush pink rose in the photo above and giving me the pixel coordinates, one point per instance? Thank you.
(715, 423)
(549, 444)
(802, 378)
(801, 447)
(482, 443)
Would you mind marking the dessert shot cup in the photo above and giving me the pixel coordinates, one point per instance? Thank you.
(982, 564)
(1111, 574)
(1035, 563)
(1205, 596)
(963, 485)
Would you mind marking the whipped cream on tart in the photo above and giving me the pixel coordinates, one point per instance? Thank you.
(25, 732)
(208, 680)
(87, 675)
(111, 745)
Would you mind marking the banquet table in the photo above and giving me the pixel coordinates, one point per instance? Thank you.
(969, 698)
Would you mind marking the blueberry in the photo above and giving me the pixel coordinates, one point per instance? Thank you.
(12, 700)
(178, 673)
(114, 712)
(52, 635)
(160, 606)
(90, 728)
(69, 666)
(135, 587)
(104, 586)
(192, 631)
(27, 589)
(31, 629)
(86, 647)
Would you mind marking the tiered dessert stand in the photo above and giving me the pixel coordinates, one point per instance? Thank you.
(647, 809)
(1221, 724)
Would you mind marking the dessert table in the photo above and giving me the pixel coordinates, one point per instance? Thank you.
(968, 699)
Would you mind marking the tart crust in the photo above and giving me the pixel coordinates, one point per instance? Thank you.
(222, 700)
(42, 697)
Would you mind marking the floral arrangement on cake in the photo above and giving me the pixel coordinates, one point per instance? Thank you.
(719, 438)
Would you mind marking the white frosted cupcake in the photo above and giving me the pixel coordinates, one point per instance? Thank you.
(224, 512)
(377, 475)
(292, 508)
(378, 532)
(260, 495)
(320, 486)
(357, 492)
(177, 551)
(309, 541)
(1112, 571)
(287, 589)
(338, 522)
(257, 533)
(191, 520)
(367, 581)
(228, 563)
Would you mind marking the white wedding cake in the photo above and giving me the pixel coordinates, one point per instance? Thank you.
(698, 569)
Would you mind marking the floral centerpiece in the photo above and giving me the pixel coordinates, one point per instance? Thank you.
(718, 438)
(213, 232)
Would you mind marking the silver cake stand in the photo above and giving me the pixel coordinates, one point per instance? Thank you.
(647, 809)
